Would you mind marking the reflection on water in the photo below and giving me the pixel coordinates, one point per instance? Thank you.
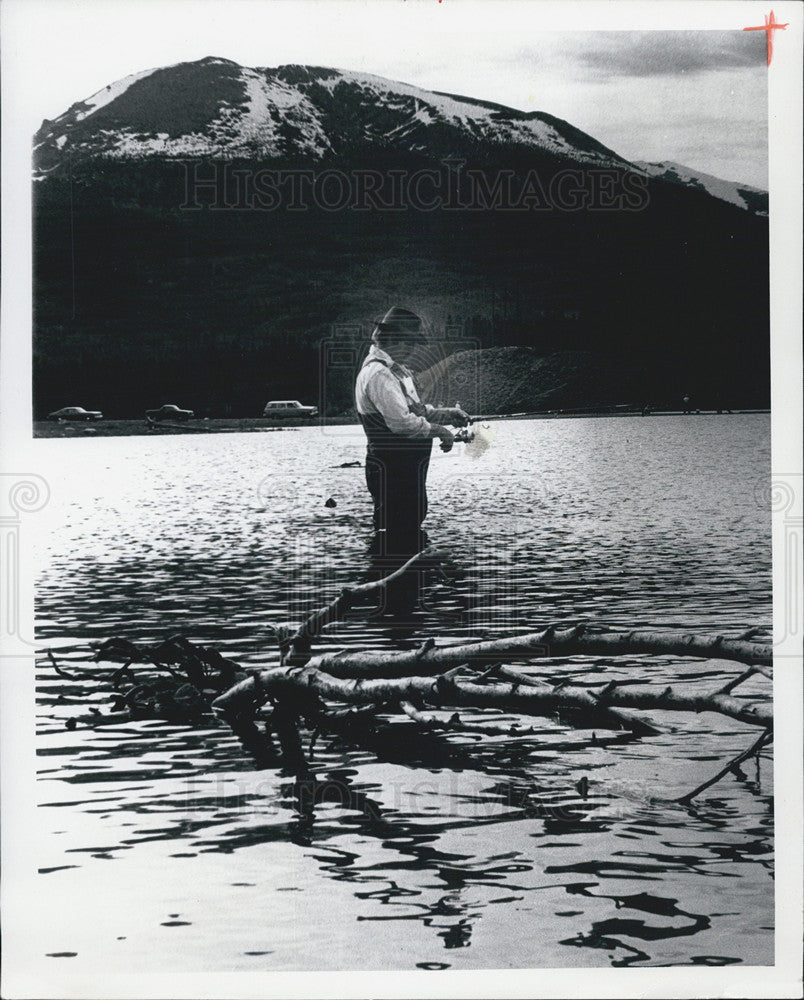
(165, 848)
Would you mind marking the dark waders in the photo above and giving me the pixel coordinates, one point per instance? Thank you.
(396, 476)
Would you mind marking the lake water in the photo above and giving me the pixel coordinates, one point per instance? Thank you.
(162, 849)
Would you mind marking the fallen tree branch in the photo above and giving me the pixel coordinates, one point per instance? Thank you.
(635, 724)
(744, 676)
(296, 648)
(303, 688)
(452, 692)
(756, 746)
(550, 642)
(454, 724)
(60, 670)
(368, 670)
(200, 665)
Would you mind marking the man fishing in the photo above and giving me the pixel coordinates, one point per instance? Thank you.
(400, 431)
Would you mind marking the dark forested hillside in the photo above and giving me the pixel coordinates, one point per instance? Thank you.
(167, 279)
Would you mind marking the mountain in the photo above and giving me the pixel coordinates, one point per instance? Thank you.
(742, 195)
(217, 108)
(191, 246)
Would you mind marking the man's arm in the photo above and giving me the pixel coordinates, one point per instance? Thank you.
(386, 395)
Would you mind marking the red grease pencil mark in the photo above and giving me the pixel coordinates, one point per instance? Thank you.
(770, 25)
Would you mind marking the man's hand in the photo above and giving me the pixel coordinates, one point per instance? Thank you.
(458, 417)
(454, 416)
(446, 436)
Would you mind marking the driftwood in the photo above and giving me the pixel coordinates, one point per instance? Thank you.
(345, 692)
(452, 688)
(550, 642)
(188, 676)
(450, 691)
(477, 675)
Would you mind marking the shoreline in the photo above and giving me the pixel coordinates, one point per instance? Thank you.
(249, 425)
(246, 425)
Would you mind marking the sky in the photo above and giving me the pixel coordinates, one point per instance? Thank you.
(697, 96)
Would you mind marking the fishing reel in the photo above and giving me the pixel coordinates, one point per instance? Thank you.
(465, 435)
(476, 437)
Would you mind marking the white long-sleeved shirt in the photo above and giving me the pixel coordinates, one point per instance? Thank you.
(379, 389)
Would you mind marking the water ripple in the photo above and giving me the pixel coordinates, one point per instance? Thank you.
(492, 848)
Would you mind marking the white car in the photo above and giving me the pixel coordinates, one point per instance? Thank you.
(281, 408)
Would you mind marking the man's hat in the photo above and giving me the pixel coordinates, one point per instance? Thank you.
(401, 324)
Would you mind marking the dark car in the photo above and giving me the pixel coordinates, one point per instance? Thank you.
(278, 409)
(169, 411)
(75, 413)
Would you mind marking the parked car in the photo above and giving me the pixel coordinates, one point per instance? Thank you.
(169, 411)
(75, 413)
(281, 408)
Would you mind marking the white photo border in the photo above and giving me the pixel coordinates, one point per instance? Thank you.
(24, 479)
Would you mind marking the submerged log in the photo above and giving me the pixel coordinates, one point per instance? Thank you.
(548, 643)
(452, 692)
(342, 692)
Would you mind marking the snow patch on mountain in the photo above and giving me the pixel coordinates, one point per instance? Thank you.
(83, 109)
(126, 144)
(106, 96)
(255, 126)
(446, 106)
(735, 194)
(261, 120)
(486, 122)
